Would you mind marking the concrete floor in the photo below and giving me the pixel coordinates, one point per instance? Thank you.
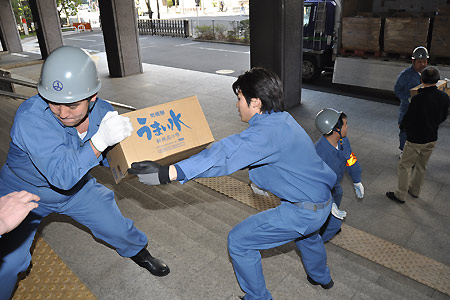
(187, 225)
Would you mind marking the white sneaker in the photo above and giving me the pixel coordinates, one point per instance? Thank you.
(400, 155)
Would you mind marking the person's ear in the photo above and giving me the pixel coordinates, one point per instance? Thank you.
(93, 98)
(256, 103)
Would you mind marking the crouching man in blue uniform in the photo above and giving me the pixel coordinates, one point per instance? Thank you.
(281, 159)
(334, 148)
(57, 137)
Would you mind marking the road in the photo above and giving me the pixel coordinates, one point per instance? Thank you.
(177, 52)
(227, 59)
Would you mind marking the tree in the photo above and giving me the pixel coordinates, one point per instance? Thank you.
(157, 9)
(69, 7)
(22, 10)
(150, 12)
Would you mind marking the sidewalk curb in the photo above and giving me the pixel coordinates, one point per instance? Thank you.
(22, 64)
(220, 42)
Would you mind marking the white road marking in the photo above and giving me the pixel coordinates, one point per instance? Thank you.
(193, 43)
(213, 49)
(77, 39)
(150, 46)
(224, 50)
(21, 55)
(223, 72)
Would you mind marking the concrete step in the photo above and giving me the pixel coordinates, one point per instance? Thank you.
(281, 265)
(9, 107)
(362, 275)
(189, 201)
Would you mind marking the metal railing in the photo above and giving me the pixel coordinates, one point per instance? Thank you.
(175, 28)
(7, 89)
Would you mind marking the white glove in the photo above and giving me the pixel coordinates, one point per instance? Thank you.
(257, 190)
(359, 189)
(112, 130)
(340, 214)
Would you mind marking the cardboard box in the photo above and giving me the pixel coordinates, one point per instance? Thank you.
(403, 34)
(165, 133)
(443, 85)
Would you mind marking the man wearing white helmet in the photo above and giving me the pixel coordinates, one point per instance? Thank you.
(406, 80)
(57, 137)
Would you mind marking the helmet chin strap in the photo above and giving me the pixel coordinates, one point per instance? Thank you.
(90, 108)
(91, 105)
(340, 137)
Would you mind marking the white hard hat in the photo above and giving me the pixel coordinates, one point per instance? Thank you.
(68, 75)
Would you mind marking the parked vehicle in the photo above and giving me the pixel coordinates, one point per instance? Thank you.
(369, 48)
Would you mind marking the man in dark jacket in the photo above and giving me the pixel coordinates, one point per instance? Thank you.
(428, 109)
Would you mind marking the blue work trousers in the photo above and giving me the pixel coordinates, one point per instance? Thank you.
(272, 228)
(333, 224)
(92, 206)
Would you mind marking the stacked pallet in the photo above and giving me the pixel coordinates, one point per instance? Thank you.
(361, 34)
(440, 42)
(402, 35)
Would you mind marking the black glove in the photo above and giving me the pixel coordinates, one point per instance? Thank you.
(150, 172)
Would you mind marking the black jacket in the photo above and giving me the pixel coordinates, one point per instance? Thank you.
(427, 110)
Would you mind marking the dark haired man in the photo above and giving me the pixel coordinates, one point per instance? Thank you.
(281, 159)
(428, 109)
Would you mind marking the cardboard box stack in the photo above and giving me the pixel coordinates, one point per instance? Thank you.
(360, 33)
(402, 35)
(440, 42)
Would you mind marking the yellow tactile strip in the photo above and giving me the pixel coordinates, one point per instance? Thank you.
(406, 262)
(239, 191)
(395, 257)
(50, 278)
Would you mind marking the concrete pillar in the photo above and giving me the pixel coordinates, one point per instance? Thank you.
(276, 37)
(120, 33)
(9, 35)
(48, 26)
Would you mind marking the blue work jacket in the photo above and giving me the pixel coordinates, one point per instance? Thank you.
(46, 154)
(406, 80)
(339, 160)
(280, 156)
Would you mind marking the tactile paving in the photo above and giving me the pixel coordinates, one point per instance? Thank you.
(50, 278)
(406, 262)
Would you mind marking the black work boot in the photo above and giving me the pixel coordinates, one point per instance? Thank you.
(153, 265)
(327, 286)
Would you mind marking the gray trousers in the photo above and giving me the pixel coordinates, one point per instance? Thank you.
(412, 168)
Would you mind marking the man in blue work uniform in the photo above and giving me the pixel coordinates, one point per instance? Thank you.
(281, 159)
(406, 80)
(57, 137)
(335, 150)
